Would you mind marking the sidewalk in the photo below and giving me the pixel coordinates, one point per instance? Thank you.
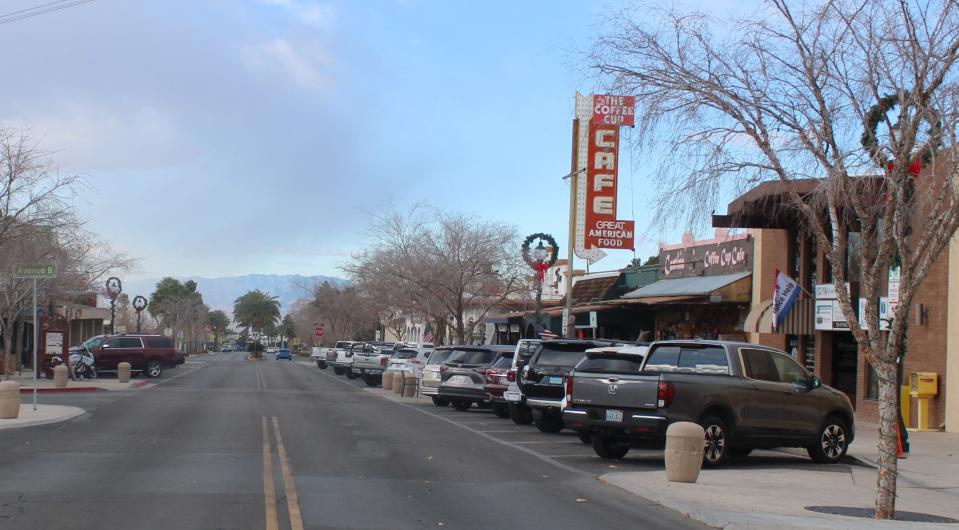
(43, 415)
(83, 385)
(773, 488)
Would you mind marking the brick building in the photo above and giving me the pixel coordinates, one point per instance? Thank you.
(817, 335)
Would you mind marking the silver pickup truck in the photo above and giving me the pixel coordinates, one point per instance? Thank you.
(369, 361)
(744, 395)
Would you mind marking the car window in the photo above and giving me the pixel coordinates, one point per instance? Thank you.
(405, 354)
(759, 365)
(503, 361)
(94, 342)
(342, 345)
(163, 342)
(471, 356)
(128, 342)
(674, 358)
(439, 356)
(611, 364)
(527, 350)
(789, 370)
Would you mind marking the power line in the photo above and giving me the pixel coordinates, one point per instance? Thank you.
(40, 10)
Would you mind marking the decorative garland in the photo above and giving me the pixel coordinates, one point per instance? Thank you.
(540, 266)
(877, 113)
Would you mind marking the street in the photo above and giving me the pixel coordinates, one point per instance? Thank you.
(228, 443)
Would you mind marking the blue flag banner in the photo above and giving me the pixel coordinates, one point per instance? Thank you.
(785, 295)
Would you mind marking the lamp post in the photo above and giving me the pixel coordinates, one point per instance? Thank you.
(540, 259)
(114, 288)
(139, 304)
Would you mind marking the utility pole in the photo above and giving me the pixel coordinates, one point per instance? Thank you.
(568, 331)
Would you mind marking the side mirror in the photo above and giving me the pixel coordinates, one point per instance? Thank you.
(105, 346)
(815, 383)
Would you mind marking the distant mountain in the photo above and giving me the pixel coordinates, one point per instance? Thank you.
(219, 293)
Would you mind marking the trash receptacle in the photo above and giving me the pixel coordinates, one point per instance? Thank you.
(60, 375)
(388, 379)
(684, 451)
(123, 372)
(409, 383)
(9, 400)
(398, 383)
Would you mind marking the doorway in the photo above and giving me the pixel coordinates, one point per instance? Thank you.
(845, 364)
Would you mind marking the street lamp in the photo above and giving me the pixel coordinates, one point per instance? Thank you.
(540, 259)
(114, 288)
(139, 304)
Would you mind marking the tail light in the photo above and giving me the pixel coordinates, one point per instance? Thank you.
(511, 376)
(569, 388)
(482, 371)
(384, 360)
(664, 394)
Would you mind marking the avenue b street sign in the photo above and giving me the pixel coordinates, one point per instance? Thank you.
(34, 271)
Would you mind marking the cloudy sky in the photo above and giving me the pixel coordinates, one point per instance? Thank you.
(225, 137)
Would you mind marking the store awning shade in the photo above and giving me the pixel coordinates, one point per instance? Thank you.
(798, 321)
(694, 286)
(751, 325)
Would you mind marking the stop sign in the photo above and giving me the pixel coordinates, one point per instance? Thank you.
(318, 331)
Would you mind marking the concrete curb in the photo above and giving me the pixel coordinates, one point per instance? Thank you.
(53, 413)
(53, 390)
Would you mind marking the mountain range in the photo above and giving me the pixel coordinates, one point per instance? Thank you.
(219, 293)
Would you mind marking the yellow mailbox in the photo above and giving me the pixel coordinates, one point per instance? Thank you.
(922, 386)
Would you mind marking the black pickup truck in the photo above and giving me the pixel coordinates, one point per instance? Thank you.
(744, 395)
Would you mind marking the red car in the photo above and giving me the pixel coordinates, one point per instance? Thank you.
(147, 354)
(496, 383)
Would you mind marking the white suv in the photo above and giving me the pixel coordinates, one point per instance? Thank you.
(518, 411)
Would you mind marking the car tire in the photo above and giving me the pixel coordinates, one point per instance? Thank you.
(337, 370)
(520, 414)
(584, 437)
(716, 444)
(373, 380)
(501, 410)
(484, 405)
(440, 402)
(549, 424)
(831, 441)
(321, 365)
(154, 368)
(461, 406)
(610, 448)
(350, 374)
(740, 452)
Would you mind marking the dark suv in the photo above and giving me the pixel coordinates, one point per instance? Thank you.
(147, 354)
(463, 375)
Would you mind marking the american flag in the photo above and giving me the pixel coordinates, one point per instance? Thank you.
(543, 332)
(428, 336)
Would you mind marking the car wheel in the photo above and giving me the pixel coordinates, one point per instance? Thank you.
(372, 380)
(520, 414)
(610, 448)
(584, 437)
(154, 368)
(500, 410)
(350, 374)
(716, 444)
(831, 443)
(440, 402)
(740, 452)
(337, 370)
(321, 365)
(461, 405)
(549, 424)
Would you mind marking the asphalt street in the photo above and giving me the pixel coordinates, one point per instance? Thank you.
(226, 443)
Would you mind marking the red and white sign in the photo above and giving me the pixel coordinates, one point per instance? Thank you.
(603, 230)
(318, 331)
(613, 110)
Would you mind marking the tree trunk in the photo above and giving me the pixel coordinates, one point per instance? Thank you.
(888, 439)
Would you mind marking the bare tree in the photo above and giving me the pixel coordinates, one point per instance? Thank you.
(794, 94)
(440, 263)
(346, 312)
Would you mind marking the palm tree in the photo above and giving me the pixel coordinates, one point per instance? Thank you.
(288, 330)
(219, 323)
(256, 310)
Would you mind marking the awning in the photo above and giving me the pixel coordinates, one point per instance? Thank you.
(751, 325)
(577, 310)
(798, 321)
(734, 287)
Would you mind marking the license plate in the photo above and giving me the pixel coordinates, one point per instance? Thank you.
(614, 415)
(460, 380)
(554, 380)
(511, 396)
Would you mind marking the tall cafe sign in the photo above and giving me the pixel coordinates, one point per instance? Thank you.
(600, 117)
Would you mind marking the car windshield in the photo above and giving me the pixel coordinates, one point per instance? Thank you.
(439, 356)
(94, 342)
(607, 363)
(342, 345)
(504, 361)
(551, 356)
(405, 354)
(471, 357)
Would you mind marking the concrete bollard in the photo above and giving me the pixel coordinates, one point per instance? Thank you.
(684, 451)
(398, 383)
(409, 384)
(9, 400)
(388, 379)
(60, 375)
(123, 372)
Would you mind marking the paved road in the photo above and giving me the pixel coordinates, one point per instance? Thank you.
(228, 443)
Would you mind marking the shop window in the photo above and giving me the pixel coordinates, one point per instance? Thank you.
(872, 383)
(809, 347)
(792, 346)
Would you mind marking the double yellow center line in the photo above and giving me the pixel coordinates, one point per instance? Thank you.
(269, 493)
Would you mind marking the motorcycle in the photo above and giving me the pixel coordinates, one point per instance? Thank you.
(82, 364)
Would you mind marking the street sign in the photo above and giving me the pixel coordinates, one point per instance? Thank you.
(318, 331)
(592, 319)
(35, 271)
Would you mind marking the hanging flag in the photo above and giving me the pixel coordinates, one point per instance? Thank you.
(544, 333)
(785, 295)
(428, 335)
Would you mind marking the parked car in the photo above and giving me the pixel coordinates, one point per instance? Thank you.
(370, 361)
(318, 355)
(226, 348)
(147, 354)
(430, 382)
(271, 349)
(496, 384)
(409, 359)
(518, 411)
(284, 354)
(463, 375)
(744, 395)
(342, 356)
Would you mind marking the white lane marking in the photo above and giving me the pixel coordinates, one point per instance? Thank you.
(520, 448)
(167, 380)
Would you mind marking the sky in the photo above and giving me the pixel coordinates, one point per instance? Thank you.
(228, 137)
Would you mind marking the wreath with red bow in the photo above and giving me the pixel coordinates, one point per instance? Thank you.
(537, 265)
(876, 114)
